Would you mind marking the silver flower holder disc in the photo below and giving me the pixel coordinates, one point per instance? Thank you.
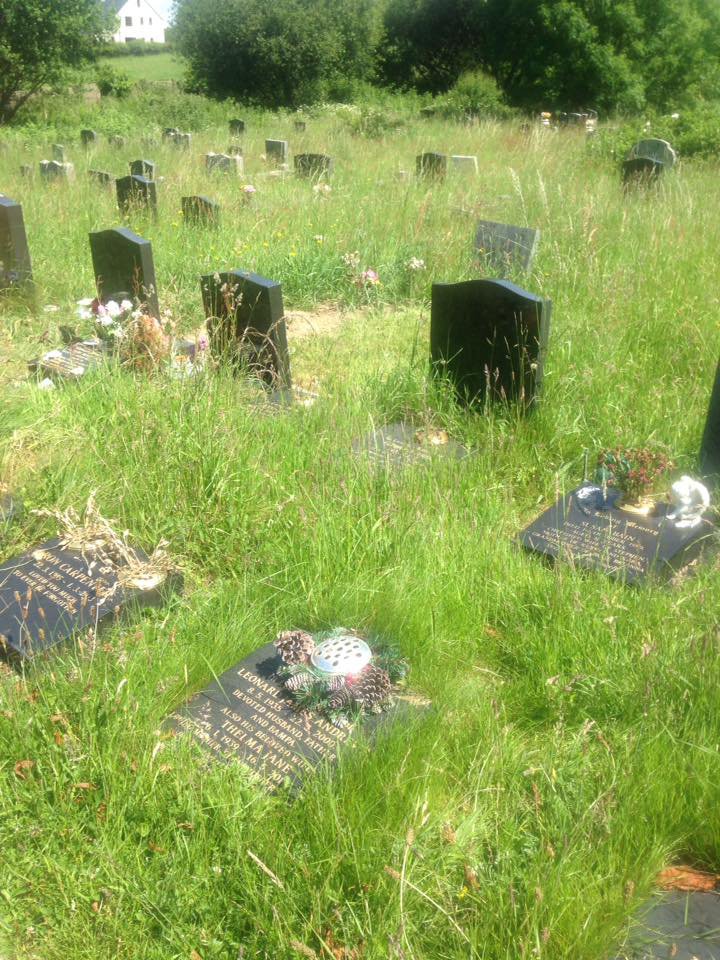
(344, 655)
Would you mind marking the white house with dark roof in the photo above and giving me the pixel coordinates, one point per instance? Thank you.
(137, 21)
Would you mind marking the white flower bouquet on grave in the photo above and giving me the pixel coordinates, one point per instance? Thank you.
(109, 319)
(140, 340)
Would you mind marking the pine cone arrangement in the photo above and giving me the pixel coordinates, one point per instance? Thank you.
(299, 681)
(371, 688)
(339, 698)
(294, 646)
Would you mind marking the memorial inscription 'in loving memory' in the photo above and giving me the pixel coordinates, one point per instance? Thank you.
(614, 545)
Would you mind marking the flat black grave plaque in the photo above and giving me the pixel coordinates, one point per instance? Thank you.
(71, 362)
(15, 263)
(489, 337)
(246, 320)
(313, 165)
(237, 127)
(123, 264)
(88, 138)
(431, 165)
(501, 246)
(677, 926)
(247, 716)
(200, 210)
(710, 446)
(276, 151)
(136, 192)
(102, 177)
(51, 592)
(401, 444)
(625, 545)
(142, 168)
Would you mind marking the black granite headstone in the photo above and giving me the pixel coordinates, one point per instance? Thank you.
(88, 137)
(71, 362)
(710, 446)
(402, 444)
(639, 170)
(247, 716)
(489, 337)
(15, 263)
(136, 192)
(502, 246)
(276, 150)
(52, 592)
(102, 177)
(200, 210)
(123, 264)
(626, 545)
(431, 165)
(677, 925)
(246, 321)
(142, 168)
(237, 127)
(314, 165)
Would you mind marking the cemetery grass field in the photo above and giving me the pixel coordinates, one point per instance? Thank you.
(572, 747)
(154, 67)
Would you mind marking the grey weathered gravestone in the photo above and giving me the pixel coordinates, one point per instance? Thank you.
(433, 165)
(313, 165)
(489, 338)
(502, 246)
(277, 151)
(246, 323)
(182, 140)
(137, 192)
(237, 127)
(464, 164)
(52, 592)
(88, 138)
(654, 149)
(101, 176)
(300, 126)
(142, 168)
(116, 140)
(123, 265)
(200, 210)
(710, 445)
(54, 170)
(224, 163)
(58, 152)
(15, 263)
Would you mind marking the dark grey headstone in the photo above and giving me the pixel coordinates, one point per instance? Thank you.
(51, 593)
(246, 322)
(237, 127)
(710, 445)
(314, 165)
(169, 133)
(116, 140)
(431, 165)
(640, 170)
(300, 126)
(503, 247)
(123, 264)
(54, 170)
(489, 338)
(678, 926)
(277, 151)
(200, 210)
(58, 152)
(224, 163)
(15, 263)
(581, 530)
(182, 140)
(71, 362)
(88, 137)
(101, 176)
(135, 192)
(652, 148)
(246, 716)
(142, 168)
(401, 444)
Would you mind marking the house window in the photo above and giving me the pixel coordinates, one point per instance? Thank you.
(128, 21)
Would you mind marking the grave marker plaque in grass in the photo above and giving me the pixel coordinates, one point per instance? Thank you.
(101, 177)
(246, 322)
(313, 165)
(136, 192)
(501, 246)
(201, 211)
(464, 164)
(431, 165)
(15, 263)
(71, 362)
(51, 170)
(224, 163)
(53, 592)
(123, 267)
(142, 168)
(587, 531)
(489, 338)
(677, 925)
(277, 151)
(401, 444)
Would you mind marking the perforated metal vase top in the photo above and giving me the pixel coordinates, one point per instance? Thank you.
(344, 654)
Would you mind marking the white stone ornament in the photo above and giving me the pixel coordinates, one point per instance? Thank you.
(689, 499)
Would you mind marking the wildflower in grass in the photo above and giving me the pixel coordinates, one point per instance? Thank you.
(352, 261)
(202, 342)
(368, 278)
(319, 238)
(248, 191)
(415, 264)
(322, 189)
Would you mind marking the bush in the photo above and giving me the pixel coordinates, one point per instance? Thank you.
(694, 132)
(135, 48)
(372, 122)
(112, 82)
(475, 96)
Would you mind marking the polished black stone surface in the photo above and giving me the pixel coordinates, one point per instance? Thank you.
(123, 264)
(677, 926)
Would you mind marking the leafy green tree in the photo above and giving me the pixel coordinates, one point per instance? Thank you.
(39, 40)
(279, 53)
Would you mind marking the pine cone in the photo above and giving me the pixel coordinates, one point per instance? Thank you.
(294, 646)
(299, 681)
(339, 698)
(372, 687)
